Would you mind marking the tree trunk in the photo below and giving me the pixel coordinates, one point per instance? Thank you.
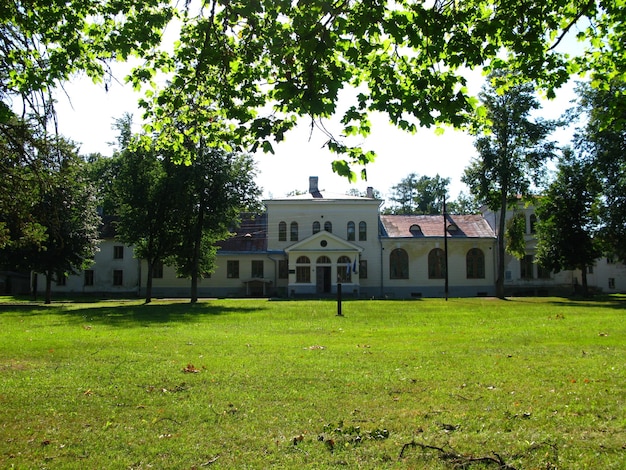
(583, 277)
(196, 254)
(34, 293)
(48, 298)
(149, 281)
(500, 249)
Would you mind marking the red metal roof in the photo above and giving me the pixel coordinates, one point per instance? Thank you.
(469, 226)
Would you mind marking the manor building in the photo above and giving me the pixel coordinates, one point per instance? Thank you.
(306, 245)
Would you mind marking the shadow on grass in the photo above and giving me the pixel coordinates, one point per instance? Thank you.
(134, 314)
(612, 301)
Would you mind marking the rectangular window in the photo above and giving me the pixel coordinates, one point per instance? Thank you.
(589, 269)
(89, 277)
(232, 269)
(526, 267)
(61, 279)
(118, 252)
(157, 270)
(118, 277)
(303, 274)
(363, 269)
(611, 283)
(283, 269)
(257, 268)
(543, 273)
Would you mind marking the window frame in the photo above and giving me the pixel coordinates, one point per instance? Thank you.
(118, 277)
(526, 270)
(257, 269)
(88, 277)
(293, 231)
(303, 270)
(118, 251)
(398, 264)
(362, 231)
(351, 231)
(282, 231)
(475, 264)
(436, 264)
(344, 269)
(232, 269)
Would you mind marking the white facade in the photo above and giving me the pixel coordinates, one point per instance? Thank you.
(307, 245)
(115, 271)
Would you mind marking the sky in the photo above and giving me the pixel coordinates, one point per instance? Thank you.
(86, 113)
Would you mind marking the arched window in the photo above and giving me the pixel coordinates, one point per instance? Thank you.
(282, 232)
(399, 264)
(328, 226)
(351, 231)
(323, 260)
(475, 262)
(316, 227)
(294, 232)
(533, 223)
(436, 264)
(362, 231)
(344, 269)
(303, 270)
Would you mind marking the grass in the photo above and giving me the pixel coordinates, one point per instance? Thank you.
(524, 383)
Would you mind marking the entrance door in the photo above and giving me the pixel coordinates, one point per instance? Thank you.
(322, 279)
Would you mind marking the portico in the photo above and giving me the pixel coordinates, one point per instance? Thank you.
(319, 262)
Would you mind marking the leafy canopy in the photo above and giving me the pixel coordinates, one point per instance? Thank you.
(245, 70)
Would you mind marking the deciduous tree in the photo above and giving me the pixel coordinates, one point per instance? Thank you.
(569, 218)
(512, 152)
(66, 209)
(602, 139)
(145, 201)
(419, 195)
(255, 67)
(218, 186)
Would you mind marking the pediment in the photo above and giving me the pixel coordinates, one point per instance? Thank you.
(324, 241)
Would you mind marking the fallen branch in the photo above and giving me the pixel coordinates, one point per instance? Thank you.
(210, 462)
(456, 459)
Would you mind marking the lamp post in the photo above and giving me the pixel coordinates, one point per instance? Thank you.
(445, 246)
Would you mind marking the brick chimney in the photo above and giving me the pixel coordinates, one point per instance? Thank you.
(313, 185)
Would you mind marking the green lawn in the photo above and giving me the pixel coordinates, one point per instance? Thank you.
(523, 383)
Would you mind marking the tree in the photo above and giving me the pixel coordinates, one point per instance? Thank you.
(259, 65)
(568, 218)
(603, 142)
(218, 186)
(45, 43)
(23, 165)
(145, 198)
(295, 58)
(463, 204)
(355, 192)
(512, 150)
(66, 208)
(419, 195)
